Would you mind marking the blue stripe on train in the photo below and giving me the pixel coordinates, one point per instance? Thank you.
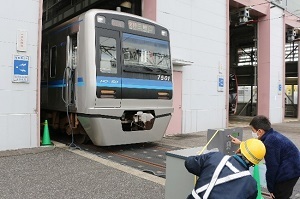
(133, 83)
(62, 83)
(56, 84)
(116, 82)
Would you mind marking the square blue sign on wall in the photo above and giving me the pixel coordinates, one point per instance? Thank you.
(21, 68)
(221, 83)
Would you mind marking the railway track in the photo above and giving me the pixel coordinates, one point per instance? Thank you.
(148, 157)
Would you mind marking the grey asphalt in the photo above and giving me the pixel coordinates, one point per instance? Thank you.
(62, 172)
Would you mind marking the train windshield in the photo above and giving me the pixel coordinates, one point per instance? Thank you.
(144, 51)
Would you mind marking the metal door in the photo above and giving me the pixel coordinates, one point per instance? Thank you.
(176, 120)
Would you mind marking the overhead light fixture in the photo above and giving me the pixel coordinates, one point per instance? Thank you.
(243, 15)
(126, 4)
(291, 34)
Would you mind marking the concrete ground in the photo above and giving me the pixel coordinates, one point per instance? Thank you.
(61, 172)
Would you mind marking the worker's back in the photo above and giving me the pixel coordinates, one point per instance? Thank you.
(225, 187)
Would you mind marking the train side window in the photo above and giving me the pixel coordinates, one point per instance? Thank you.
(108, 55)
(53, 58)
(73, 50)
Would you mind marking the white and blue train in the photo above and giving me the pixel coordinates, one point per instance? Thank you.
(107, 75)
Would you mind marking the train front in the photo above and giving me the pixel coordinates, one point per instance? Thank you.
(133, 101)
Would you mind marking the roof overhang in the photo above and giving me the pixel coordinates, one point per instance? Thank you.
(292, 20)
(181, 62)
(257, 8)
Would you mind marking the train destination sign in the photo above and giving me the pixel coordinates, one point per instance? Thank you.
(142, 27)
(118, 23)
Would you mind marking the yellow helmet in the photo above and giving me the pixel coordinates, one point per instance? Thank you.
(253, 149)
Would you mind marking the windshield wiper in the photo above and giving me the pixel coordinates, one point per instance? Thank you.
(142, 66)
(148, 68)
(162, 70)
(139, 68)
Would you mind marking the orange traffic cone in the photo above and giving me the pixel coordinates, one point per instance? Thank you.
(46, 136)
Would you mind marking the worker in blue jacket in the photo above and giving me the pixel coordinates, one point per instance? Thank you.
(282, 158)
(226, 177)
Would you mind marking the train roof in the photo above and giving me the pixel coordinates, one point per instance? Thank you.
(96, 11)
(120, 13)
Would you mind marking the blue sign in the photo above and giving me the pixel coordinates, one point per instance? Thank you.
(21, 66)
(279, 87)
(221, 82)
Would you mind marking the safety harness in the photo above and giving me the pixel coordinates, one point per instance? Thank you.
(215, 181)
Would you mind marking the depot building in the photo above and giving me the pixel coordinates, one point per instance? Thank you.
(229, 58)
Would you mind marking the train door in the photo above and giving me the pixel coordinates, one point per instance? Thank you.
(70, 75)
(108, 70)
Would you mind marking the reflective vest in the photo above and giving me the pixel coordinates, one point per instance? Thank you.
(215, 181)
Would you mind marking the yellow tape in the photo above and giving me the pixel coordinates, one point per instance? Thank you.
(200, 152)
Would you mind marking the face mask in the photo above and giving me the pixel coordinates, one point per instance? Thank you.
(254, 135)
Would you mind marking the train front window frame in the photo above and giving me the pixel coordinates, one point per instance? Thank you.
(108, 55)
(146, 52)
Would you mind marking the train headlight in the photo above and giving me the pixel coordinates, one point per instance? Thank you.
(163, 95)
(164, 33)
(100, 19)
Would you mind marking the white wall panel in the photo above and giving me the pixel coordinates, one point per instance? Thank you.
(175, 7)
(292, 6)
(210, 20)
(18, 102)
(208, 46)
(25, 10)
(6, 80)
(198, 100)
(215, 6)
(11, 27)
(34, 133)
(3, 132)
(198, 34)
(211, 123)
(177, 51)
(186, 100)
(187, 121)
(214, 33)
(7, 50)
(194, 121)
(19, 131)
(165, 19)
(16, 131)
(181, 40)
(180, 24)
(201, 72)
(18, 107)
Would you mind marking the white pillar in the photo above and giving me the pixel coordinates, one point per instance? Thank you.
(271, 65)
